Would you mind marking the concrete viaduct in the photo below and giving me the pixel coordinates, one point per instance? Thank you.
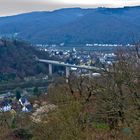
(68, 66)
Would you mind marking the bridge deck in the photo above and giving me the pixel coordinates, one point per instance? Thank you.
(69, 65)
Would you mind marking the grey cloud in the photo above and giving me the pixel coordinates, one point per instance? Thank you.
(11, 7)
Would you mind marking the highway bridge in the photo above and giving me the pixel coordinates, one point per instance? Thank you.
(68, 66)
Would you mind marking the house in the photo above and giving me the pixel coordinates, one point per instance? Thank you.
(5, 106)
(23, 101)
(26, 106)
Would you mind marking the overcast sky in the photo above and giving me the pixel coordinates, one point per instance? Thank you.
(12, 7)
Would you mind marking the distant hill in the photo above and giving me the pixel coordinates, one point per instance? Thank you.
(75, 26)
(17, 59)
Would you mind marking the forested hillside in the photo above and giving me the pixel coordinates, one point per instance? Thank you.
(17, 59)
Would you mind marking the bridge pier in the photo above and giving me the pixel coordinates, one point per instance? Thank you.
(90, 73)
(50, 69)
(67, 73)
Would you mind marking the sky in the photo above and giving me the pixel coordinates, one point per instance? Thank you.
(13, 7)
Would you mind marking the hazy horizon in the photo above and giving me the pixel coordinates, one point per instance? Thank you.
(14, 7)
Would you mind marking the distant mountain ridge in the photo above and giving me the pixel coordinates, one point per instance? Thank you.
(75, 26)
